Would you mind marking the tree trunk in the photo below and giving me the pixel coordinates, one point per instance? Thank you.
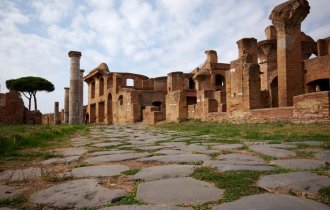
(35, 101)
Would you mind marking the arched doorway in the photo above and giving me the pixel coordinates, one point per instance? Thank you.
(93, 89)
(274, 92)
(109, 109)
(319, 85)
(101, 87)
(220, 82)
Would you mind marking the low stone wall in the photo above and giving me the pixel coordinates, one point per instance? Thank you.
(312, 106)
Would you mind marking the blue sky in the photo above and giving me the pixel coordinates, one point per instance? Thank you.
(150, 37)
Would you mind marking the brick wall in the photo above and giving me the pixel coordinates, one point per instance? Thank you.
(312, 105)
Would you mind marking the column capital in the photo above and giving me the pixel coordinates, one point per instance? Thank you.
(74, 54)
(289, 14)
(67, 88)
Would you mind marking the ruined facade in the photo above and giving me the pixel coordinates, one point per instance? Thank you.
(272, 79)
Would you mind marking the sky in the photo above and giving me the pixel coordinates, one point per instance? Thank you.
(149, 37)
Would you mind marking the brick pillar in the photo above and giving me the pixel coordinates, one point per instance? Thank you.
(57, 119)
(74, 97)
(81, 96)
(287, 18)
(66, 105)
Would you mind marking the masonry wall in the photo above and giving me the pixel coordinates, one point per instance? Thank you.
(312, 105)
(12, 110)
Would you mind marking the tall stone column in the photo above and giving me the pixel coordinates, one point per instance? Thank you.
(57, 118)
(66, 105)
(74, 96)
(287, 18)
(81, 96)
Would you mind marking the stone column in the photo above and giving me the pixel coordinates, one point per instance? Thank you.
(57, 118)
(66, 105)
(287, 18)
(81, 96)
(74, 97)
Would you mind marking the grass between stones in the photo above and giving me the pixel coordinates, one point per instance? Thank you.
(132, 171)
(325, 193)
(234, 183)
(16, 138)
(18, 202)
(279, 132)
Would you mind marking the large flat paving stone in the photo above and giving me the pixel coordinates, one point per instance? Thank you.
(282, 146)
(178, 191)
(7, 191)
(172, 152)
(182, 158)
(298, 181)
(107, 144)
(164, 172)
(21, 174)
(76, 194)
(228, 146)
(73, 151)
(110, 152)
(146, 207)
(269, 201)
(238, 166)
(302, 164)
(99, 171)
(323, 155)
(273, 152)
(116, 157)
(65, 160)
(248, 159)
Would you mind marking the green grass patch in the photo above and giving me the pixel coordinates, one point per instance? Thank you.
(18, 202)
(129, 199)
(278, 132)
(132, 171)
(15, 138)
(325, 193)
(235, 183)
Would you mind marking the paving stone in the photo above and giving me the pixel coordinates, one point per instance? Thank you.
(302, 182)
(273, 152)
(73, 151)
(76, 194)
(324, 155)
(302, 164)
(146, 207)
(164, 172)
(69, 159)
(178, 191)
(151, 148)
(238, 166)
(7, 191)
(116, 157)
(110, 152)
(228, 146)
(21, 174)
(248, 159)
(269, 201)
(183, 158)
(99, 171)
(310, 143)
(108, 144)
(172, 152)
(282, 146)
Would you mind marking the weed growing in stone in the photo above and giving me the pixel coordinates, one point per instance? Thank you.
(235, 183)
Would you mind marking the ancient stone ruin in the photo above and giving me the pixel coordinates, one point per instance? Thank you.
(272, 79)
